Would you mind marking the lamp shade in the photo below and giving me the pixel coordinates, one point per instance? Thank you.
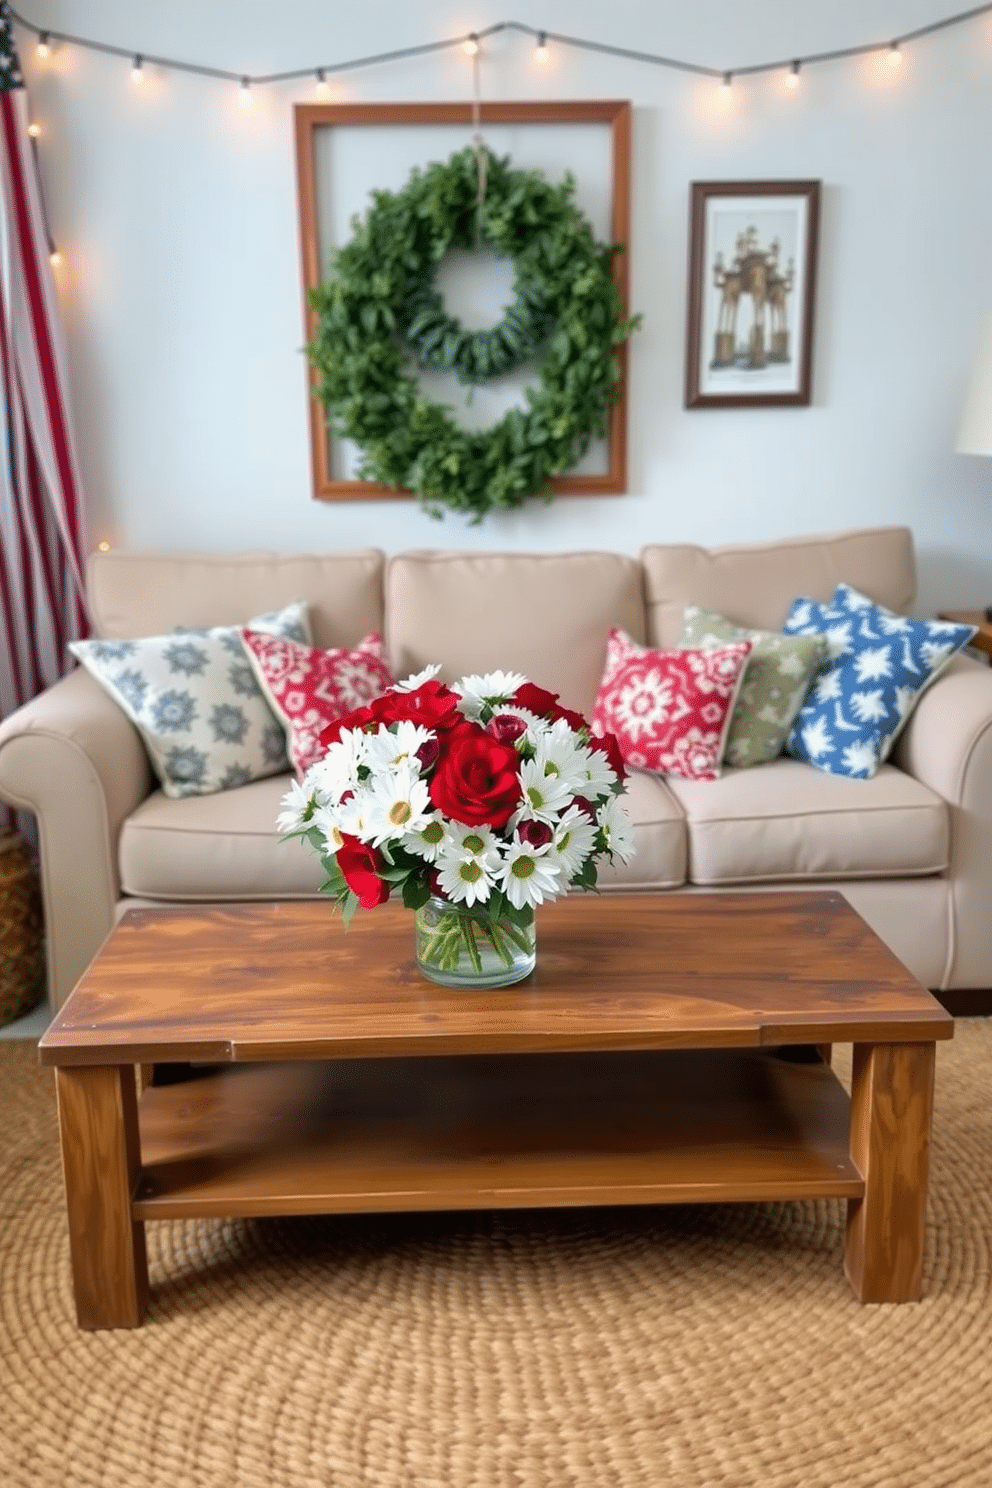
(975, 431)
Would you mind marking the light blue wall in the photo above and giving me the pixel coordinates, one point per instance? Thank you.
(176, 210)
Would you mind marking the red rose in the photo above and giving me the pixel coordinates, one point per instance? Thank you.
(607, 744)
(360, 865)
(432, 704)
(506, 727)
(576, 721)
(535, 833)
(476, 780)
(535, 699)
(331, 732)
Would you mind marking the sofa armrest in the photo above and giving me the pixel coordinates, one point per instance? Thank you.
(74, 758)
(947, 746)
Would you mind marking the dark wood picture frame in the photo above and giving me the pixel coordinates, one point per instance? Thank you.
(309, 117)
(773, 366)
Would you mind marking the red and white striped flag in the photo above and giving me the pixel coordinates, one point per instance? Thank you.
(42, 596)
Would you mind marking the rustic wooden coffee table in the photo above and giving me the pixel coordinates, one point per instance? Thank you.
(637, 1065)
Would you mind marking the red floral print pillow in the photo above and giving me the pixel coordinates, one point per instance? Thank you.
(670, 710)
(308, 688)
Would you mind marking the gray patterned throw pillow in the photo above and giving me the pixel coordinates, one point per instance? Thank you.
(194, 698)
(777, 679)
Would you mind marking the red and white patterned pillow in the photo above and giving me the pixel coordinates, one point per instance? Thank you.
(308, 688)
(670, 710)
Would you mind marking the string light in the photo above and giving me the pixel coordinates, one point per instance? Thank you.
(34, 130)
(137, 70)
(542, 46)
(726, 82)
(323, 90)
(471, 45)
(245, 92)
(55, 258)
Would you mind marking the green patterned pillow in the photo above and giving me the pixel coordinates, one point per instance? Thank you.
(778, 677)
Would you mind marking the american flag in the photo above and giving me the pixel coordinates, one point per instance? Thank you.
(42, 596)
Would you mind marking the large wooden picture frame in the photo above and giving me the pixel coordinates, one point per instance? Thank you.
(311, 117)
(752, 286)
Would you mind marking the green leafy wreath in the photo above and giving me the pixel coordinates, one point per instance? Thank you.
(380, 306)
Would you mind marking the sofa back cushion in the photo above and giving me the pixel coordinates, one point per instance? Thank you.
(138, 594)
(754, 585)
(544, 614)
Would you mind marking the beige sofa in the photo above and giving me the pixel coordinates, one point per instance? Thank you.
(911, 848)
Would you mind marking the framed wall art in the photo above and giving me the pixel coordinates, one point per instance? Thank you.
(346, 151)
(752, 290)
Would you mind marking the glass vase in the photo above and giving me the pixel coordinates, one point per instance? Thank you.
(467, 947)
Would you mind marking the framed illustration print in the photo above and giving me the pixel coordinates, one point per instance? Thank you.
(752, 287)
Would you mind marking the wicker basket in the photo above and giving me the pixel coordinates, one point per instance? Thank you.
(22, 953)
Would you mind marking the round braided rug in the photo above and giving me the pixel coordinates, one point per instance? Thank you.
(683, 1346)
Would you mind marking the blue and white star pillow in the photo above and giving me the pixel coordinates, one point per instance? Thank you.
(878, 664)
(195, 700)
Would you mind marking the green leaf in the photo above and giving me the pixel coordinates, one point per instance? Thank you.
(565, 316)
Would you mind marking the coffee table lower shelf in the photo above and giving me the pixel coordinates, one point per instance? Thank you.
(487, 1132)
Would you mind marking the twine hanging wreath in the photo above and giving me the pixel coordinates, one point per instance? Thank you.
(381, 306)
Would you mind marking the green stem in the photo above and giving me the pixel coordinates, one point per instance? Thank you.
(471, 945)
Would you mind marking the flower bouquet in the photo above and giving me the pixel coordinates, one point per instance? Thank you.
(474, 802)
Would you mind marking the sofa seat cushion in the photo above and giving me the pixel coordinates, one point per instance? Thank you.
(787, 821)
(224, 846)
(227, 846)
(660, 852)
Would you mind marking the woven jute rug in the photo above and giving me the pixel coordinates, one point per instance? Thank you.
(664, 1346)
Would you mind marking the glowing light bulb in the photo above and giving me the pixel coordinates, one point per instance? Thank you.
(34, 130)
(137, 70)
(542, 47)
(792, 81)
(44, 50)
(103, 547)
(323, 90)
(726, 82)
(55, 258)
(472, 45)
(895, 55)
(245, 92)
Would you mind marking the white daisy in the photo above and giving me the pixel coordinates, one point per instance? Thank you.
(489, 687)
(615, 825)
(299, 803)
(558, 752)
(528, 877)
(397, 803)
(411, 683)
(337, 772)
(395, 746)
(575, 836)
(543, 797)
(325, 818)
(350, 817)
(600, 776)
(472, 842)
(467, 877)
(426, 840)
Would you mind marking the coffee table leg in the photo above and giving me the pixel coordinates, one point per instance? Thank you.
(891, 1118)
(98, 1117)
